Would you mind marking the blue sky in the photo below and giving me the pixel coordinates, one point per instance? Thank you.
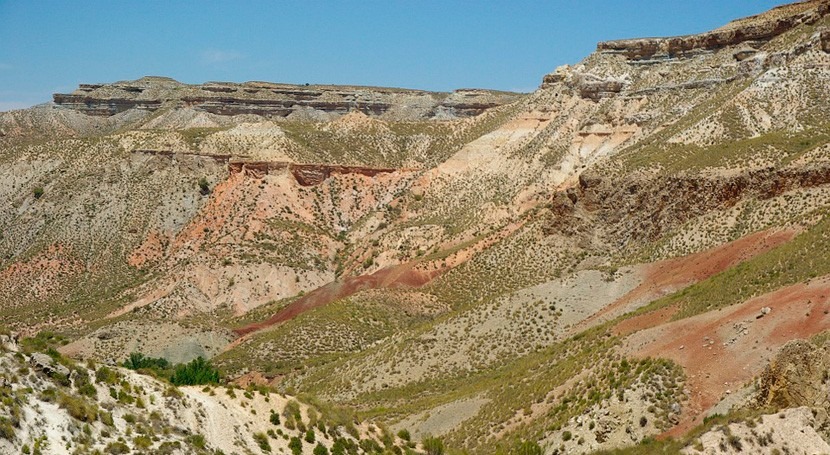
(51, 46)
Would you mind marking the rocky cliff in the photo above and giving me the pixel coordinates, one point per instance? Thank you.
(749, 31)
(280, 100)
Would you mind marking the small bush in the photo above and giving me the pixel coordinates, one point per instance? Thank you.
(106, 375)
(433, 446)
(735, 442)
(106, 418)
(371, 446)
(295, 445)
(309, 436)
(197, 441)
(404, 434)
(262, 441)
(38, 192)
(6, 429)
(320, 449)
(142, 442)
(117, 447)
(204, 188)
(78, 408)
(526, 448)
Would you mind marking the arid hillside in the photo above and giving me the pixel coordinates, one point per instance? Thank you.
(622, 259)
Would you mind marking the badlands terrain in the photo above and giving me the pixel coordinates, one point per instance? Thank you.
(634, 258)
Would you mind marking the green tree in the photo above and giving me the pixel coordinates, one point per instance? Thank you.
(198, 371)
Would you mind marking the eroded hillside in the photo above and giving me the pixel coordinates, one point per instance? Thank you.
(611, 258)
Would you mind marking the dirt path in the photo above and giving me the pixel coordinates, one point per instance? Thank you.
(723, 349)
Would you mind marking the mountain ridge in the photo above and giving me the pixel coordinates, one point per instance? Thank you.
(613, 258)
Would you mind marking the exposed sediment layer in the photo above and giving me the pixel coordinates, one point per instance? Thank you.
(756, 29)
(279, 100)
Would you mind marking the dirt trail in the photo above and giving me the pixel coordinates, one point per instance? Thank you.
(720, 350)
(665, 277)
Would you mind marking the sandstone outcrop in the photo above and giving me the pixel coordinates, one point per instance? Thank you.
(305, 174)
(279, 100)
(796, 377)
(586, 85)
(757, 29)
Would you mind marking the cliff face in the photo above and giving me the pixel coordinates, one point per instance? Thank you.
(279, 100)
(757, 29)
(304, 174)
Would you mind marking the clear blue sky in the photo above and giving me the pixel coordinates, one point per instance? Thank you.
(51, 46)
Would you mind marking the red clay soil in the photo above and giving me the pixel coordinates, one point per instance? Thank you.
(399, 276)
(413, 274)
(669, 276)
(645, 321)
(723, 349)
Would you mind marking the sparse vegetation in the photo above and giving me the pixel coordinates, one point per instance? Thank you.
(418, 269)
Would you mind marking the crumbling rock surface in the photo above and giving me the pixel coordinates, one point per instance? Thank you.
(279, 100)
(645, 208)
(305, 174)
(758, 29)
(797, 376)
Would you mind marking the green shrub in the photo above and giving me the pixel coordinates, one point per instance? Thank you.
(6, 429)
(526, 448)
(404, 434)
(117, 447)
(78, 408)
(309, 436)
(262, 441)
(292, 409)
(566, 435)
(197, 441)
(169, 448)
(106, 375)
(433, 446)
(339, 447)
(320, 449)
(295, 445)
(198, 371)
(142, 442)
(275, 418)
(106, 418)
(204, 188)
(38, 192)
